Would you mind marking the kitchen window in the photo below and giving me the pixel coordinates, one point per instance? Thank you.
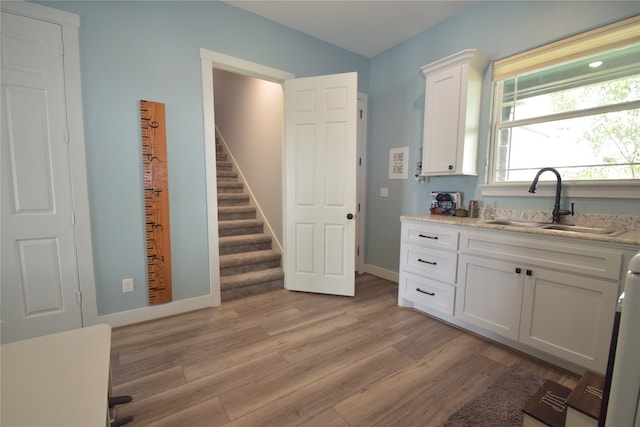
(573, 105)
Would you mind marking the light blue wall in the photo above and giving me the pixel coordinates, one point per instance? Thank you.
(396, 97)
(150, 50)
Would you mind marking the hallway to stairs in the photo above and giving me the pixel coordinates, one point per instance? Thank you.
(248, 263)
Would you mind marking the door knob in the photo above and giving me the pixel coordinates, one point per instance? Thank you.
(349, 216)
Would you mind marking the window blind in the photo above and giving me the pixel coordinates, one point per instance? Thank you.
(613, 36)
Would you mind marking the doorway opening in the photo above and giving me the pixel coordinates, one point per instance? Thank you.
(213, 62)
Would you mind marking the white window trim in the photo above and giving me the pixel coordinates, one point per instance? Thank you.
(618, 34)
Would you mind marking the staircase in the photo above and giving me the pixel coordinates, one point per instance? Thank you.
(558, 406)
(248, 264)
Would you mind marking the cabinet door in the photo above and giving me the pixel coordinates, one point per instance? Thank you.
(490, 294)
(569, 316)
(441, 121)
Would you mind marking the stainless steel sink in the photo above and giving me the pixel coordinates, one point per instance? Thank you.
(558, 227)
(579, 229)
(514, 223)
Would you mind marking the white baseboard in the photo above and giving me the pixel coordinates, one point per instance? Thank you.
(155, 312)
(381, 272)
(144, 314)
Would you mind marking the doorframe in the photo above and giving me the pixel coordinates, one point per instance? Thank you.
(210, 60)
(361, 183)
(70, 23)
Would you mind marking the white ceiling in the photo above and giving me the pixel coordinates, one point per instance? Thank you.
(366, 27)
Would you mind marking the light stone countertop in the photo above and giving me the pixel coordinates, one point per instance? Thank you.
(628, 237)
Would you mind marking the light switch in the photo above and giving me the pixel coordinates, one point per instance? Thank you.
(384, 192)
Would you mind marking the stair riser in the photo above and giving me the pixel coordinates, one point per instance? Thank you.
(236, 215)
(225, 178)
(237, 249)
(233, 201)
(240, 230)
(230, 188)
(246, 268)
(223, 166)
(245, 291)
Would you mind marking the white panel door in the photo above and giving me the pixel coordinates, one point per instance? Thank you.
(40, 288)
(320, 183)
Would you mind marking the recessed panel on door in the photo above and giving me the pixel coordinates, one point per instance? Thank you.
(305, 248)
(40, 276)
(304, 182)
(29, 150)
(334, 152)
(334, 246)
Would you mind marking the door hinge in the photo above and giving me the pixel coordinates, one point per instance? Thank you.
(358, 251)
(359, 161)
(72, 218)
(358, 206)
(66, 135)
(79, 297)
(360, 113)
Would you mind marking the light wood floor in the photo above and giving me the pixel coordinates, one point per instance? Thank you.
(288, 358)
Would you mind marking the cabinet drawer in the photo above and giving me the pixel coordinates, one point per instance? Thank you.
(423, 234)
(431, 263)
(428, 293)
(569, 256)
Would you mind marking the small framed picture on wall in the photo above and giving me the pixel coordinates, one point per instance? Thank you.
(399, 163)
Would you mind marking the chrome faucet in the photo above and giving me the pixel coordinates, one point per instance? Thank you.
(557, 212)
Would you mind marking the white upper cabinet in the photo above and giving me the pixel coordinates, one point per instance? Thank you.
(451, 114)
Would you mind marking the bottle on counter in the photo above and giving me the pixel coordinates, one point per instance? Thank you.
(474, 211)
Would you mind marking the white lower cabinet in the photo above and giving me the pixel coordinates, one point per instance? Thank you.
(565, 315)
(490, 295)
(554, 298)
(568, 316)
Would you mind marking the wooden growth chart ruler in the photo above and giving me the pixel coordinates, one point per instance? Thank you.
(156, 201)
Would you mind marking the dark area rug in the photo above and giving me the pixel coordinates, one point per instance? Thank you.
(501, 404)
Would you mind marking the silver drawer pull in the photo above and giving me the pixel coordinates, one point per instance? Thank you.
(427, 262)
(424, 236)
(425, 292)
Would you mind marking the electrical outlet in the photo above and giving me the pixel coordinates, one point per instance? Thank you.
(127, 285)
